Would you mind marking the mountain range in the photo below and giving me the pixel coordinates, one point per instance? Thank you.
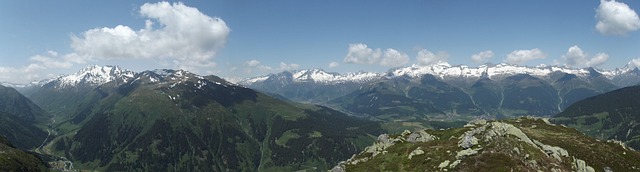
(446, 71)
(106, 118)
(442, 91)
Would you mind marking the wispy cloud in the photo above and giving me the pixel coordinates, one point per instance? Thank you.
(290, 66)
(252, 66)
(482, 57)
(426, 57)
(361, 54)
(522, 56)
(634, 63)
(334, 64)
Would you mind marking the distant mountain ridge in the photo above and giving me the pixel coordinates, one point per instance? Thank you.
(316, 76)
(444, 70)
(496, 89)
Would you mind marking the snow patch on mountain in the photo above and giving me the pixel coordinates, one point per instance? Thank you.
(445, 70)
(91, 75)
(442, 70)
(317, 76)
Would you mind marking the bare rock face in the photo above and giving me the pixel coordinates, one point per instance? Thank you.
(582, 166)
(420, 136)
(380, 145)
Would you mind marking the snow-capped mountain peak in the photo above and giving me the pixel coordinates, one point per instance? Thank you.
(445, 70)
(316, 76)
(92, 75)
(442, 70)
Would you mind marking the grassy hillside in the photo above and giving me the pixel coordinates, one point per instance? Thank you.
(613, 115)
(524, 144)
(14, 159)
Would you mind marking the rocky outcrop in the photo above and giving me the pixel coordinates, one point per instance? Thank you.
(420, 136)
(523, 144)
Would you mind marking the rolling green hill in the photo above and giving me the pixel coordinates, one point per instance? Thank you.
(613, 115)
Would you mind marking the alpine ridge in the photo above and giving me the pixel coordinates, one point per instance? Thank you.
(311, 81)
(444, 70)
(93, 75)
(317, 76)
(106, 118)
(420, 95)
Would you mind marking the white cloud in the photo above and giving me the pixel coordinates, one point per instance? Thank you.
(334, 64)
(6, 73)
(50, 62)
(19, 75)
(482, 57)
(577, 58)
(292, 66)
(632, 63)
(574, 56)
(37, 64)
(173, 34)
(616, 18)
(255, 64)
(393, 58)
(183, 35)
(22, 74)
(521, 56)
(426, 57)
(598, 59)
(362, 54)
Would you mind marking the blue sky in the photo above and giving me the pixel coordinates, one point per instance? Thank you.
(235, 39)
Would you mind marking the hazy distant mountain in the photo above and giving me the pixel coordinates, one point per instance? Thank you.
(396, 98)
(522, 144)
(174, 119)
(524, 94)
(494, 89)
(313, 85)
